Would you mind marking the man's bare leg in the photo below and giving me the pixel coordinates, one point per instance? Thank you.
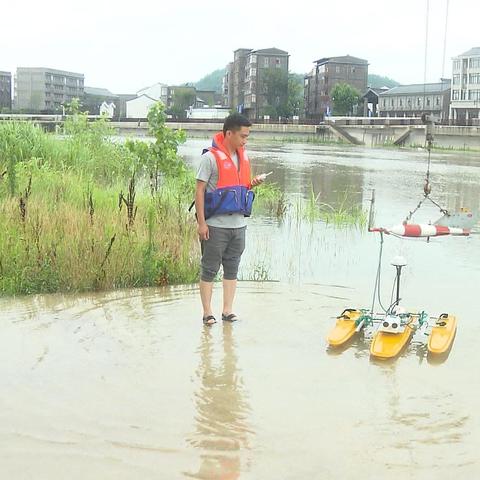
(229, 289)
(206, 290)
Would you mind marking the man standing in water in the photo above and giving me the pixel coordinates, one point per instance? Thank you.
(222, 200)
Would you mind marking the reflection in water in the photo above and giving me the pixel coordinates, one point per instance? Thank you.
(419, 419)
(221, 421)
(89, 360)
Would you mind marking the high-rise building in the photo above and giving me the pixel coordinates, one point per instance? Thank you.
(256, 82)
(327, 73)
(465, 95)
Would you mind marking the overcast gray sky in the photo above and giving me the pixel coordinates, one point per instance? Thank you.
(126, 45)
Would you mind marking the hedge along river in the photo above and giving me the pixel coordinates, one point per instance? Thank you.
(127, 384)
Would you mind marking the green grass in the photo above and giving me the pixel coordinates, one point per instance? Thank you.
(310, 139)
(64, 227)
(346, 214)
(79, 213)
(435, 148)
(269, 200)
(61, 243)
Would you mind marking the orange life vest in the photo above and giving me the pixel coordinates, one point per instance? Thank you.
(233, 192)
(228, 174)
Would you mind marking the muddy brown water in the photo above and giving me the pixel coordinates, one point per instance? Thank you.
(127, 384)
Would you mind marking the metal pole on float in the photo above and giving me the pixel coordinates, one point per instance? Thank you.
(371, 214)
(398, 262)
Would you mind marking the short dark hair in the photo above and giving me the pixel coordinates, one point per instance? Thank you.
(235, 122)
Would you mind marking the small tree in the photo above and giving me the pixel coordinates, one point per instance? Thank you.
(296, 101)
(158, 159)
(344, 97)
(275, 86)
(182, 100)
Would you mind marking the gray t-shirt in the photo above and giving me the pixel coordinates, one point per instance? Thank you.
(208, 172)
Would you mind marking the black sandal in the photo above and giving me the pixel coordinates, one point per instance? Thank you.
(208, 320)
(229, 318)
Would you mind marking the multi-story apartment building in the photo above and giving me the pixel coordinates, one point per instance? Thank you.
(249, 81)
(237, 78)
(227, 86)
(414, 100)
(46, 89)
(465, 94)
(266, 82)
(5, 91)
(327, 73)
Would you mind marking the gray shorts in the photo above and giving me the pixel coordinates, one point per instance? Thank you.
(224, 247)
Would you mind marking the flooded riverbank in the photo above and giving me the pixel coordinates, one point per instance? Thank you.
(128, 384)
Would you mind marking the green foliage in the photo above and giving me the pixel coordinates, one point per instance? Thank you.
(183, 98)
(344, 97)
(159, 159)
(19, 142)
(74, 106)
(69, 234)
(63, 227)
(275, 85)
(212, 81)
(296, 99)
(284, 93)
(377, 81)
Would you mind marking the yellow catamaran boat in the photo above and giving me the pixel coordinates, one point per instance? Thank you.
(345, 328)
(442, 334)
(394, 329)
(392, 336)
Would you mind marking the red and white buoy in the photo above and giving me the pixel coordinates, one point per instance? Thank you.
(422, 230)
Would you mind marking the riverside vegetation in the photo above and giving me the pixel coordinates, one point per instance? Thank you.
(84, 212)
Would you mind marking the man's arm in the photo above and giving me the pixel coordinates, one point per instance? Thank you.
(202, 227)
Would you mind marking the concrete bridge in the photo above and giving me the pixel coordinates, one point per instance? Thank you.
(371, 134)
(376, 131)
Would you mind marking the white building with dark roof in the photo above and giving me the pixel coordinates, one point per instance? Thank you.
(94, 98)
(139, 107)
(416, 99)
(158, 91)
(465, 96)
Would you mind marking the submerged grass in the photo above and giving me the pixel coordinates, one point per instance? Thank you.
(347, 213)
(270, 200)
(310, 139)
(435, 147)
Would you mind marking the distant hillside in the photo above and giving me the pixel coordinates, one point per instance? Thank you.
(212, 81)
(377, 81)
(299, 77)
